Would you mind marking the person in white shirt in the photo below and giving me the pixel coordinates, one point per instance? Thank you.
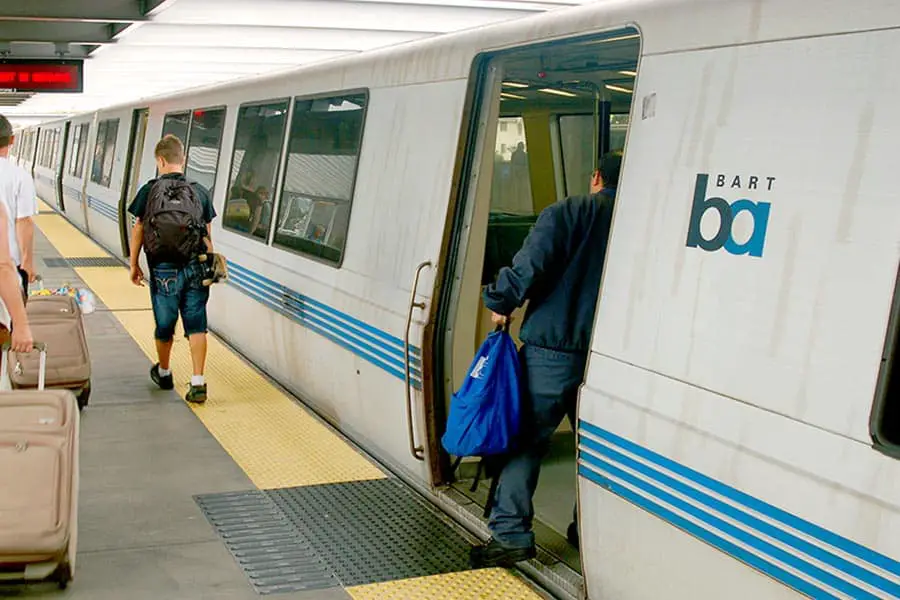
(18, 196)
(12, 305)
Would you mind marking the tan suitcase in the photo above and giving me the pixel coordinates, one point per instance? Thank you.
(56, 320)
(38, 484)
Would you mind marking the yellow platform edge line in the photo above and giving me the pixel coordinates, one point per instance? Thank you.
(483, 584)
(273, 439)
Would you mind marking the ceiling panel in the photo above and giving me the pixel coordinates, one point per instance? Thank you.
(141, 48)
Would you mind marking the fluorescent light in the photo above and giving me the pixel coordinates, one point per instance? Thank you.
(628, 73)
(514, 84)
(616, 88)
(511, 96)
(558, 92)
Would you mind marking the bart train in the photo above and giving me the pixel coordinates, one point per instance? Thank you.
(737, 432)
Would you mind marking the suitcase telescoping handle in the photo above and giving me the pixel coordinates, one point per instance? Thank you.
(42, 369)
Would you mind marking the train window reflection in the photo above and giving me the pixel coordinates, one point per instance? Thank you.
(82, 149)
(105, 151)
(177, 125)
(203, 147)
(254, 168)
(78, 149)
(323, 153)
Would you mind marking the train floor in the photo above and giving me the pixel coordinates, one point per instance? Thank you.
(245, 496)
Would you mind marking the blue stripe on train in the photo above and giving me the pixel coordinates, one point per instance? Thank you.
(374, 345)
(107, 210)
(652, 485)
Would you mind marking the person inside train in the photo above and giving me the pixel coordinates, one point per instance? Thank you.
(558, 271)
(175, 283)
(21, 206)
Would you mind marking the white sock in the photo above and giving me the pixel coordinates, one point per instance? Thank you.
(197, 380)
(164, 372)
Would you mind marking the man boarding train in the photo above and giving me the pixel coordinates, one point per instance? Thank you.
(558, 271)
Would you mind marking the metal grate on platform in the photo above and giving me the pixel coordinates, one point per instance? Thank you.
(274, 556)
(348, 534)
(83, 261)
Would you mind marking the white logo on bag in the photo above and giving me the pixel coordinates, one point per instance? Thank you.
(479, 367)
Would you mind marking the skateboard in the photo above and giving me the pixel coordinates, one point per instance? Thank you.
(214, 268)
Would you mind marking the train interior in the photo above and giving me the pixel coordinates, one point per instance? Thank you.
(560, 107)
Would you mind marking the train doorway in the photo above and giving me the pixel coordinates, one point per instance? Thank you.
(541, 117)
(61, 166)
(132, 175)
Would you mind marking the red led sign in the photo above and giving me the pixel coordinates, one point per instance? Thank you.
(41, 76)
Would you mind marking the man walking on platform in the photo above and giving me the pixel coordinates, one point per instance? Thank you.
(558, 271)
(20, 201)
(173, 227)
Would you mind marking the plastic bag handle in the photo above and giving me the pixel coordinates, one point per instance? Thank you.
(504, 327)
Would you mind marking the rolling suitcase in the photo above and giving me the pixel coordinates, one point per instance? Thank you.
(58, 321)
(38, 483)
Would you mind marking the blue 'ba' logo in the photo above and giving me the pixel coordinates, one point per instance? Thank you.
(728, 212)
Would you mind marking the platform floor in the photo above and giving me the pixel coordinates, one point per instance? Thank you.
(172, 495)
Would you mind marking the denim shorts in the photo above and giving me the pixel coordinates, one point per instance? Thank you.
(175, 289)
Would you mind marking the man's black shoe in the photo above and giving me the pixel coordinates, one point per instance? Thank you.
(493, 554)
(165, 383)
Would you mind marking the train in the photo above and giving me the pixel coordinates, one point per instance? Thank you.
(737, 431)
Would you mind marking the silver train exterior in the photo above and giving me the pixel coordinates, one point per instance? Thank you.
(733, 429)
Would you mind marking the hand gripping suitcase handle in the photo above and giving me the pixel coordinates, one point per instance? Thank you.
(42, 369)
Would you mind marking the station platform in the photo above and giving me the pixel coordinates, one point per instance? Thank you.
(249, 495)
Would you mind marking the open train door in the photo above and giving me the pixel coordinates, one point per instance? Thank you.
(132, 175)
(539, 117)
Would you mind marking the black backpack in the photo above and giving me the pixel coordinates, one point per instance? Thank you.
(174, 230)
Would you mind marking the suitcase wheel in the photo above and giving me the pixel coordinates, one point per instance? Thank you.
(84, 395)
(63, 575)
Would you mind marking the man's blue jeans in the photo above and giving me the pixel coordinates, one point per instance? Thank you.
(178, 289)
(550, 382)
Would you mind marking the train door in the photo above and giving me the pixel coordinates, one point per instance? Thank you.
(541, 117)
(61, 167)
(132, 175)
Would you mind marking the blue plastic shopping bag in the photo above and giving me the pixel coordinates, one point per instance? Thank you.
(484, 413)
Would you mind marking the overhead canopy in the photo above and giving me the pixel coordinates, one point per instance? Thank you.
(140, 48)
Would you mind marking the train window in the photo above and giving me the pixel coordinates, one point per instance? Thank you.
(254, 168)
(320, 174)
(82, 149)
(203, 152)
(885, 419)
(177, 124)
(72, 150)
(576, 136)
(105, 152)
(78, 147)
(511, 183)
(54, 156)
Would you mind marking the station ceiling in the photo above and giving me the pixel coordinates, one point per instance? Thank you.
(142, 48)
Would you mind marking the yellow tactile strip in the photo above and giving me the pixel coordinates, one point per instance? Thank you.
(273, 439)
(485, 584)
(67, 240)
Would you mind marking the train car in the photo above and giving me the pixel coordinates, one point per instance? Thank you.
(24, 147)
(737, 432)
(47, 167)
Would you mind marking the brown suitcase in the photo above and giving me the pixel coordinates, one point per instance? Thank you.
(57, 320)
(38, 484)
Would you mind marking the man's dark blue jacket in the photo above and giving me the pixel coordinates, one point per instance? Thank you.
(558, 271)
